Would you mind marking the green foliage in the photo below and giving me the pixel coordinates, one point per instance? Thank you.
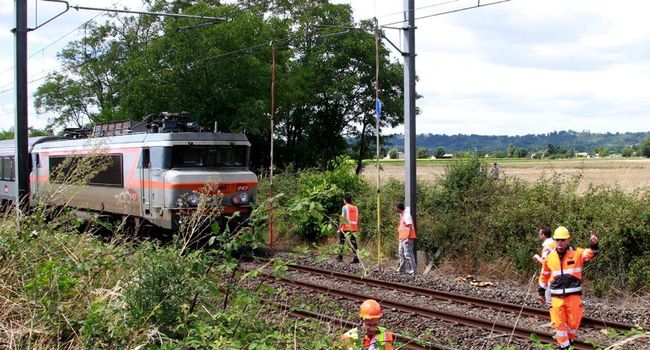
(439, 152)
(134, 66)
(481, 221)
(7, 134)
(82, 293)
(462, 176)
(147, 302)
(309, 203)
(478, 222)
(645, 147)
(33, 132)
(627, 152)
(392, 153)
(537, 343)
(422, 153)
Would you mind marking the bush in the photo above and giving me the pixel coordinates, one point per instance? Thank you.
(158, 292)
(311, 199)
(76, 292)
(480, 222)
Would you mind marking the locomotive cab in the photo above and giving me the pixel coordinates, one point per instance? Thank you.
(180, 173)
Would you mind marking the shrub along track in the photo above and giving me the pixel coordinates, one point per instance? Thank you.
(415, 313)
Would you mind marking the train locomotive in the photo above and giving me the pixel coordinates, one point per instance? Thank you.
(155, 171)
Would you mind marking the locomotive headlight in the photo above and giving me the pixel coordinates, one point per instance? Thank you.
(192, 199)
(240, 198)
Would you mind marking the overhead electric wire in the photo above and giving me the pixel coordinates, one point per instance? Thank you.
(417, 8)
(448, 12)
(42, 50)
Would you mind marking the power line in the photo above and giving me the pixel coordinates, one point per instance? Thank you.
(418, 8)
(448, 12)
(58, 39)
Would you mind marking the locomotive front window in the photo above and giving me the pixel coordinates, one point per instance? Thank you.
(209, 156)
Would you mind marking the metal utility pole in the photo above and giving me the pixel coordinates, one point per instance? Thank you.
(409, 107)
(21, 132)
(271, 227)
(377, 116)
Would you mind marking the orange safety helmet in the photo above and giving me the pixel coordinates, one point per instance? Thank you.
(370, 309)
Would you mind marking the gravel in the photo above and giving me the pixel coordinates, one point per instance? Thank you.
(632, 310)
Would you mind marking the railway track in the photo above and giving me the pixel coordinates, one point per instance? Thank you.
(492, 326)
(491, 304)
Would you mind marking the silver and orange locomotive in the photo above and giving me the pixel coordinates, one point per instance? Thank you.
(155, 171)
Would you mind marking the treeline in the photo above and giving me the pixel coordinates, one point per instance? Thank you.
(557, 143)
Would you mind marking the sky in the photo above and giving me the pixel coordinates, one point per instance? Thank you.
(514, 68)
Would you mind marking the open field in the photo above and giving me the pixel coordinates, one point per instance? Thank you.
(629, 174)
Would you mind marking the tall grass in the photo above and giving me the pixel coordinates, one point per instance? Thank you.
(65, 290)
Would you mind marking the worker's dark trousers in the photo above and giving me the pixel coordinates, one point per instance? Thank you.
(353, 240)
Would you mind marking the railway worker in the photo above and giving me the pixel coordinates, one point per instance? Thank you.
(369, 335)
(349, 227)
(495, 171)
(548, 245)
(562, 272)
(406, 236)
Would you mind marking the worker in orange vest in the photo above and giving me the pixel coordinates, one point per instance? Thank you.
(406, 234)
(562, 273)
(369, 335)
(349, 227)
(548, 245)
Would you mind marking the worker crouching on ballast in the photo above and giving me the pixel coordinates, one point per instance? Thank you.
(562, 273)
(369, 335)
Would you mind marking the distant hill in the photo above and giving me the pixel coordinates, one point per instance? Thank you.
(581, 141)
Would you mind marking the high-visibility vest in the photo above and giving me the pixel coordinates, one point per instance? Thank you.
(351, 218)
(564, 277)
(404, 230)
(382, 341)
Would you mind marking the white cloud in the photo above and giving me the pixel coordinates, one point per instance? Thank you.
(524, 66)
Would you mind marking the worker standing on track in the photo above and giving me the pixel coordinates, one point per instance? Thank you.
(349, 227)
(562, 273)
(369, 335)
(548, 245)
(406, 234)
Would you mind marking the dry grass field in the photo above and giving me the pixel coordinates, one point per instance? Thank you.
(629, 174)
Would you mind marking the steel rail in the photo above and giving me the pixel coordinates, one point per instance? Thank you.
(519, 332)
(492, 304)
(408, 342)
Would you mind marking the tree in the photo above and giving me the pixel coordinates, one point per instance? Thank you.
(392, 153)
(645, 147)
(7, 134)
(67, 99)
(33, 132)
(439, 152)
(520, 153)
(627, 151)
(330, 84)
(221, 72)
(87, 89)
(422, 152)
